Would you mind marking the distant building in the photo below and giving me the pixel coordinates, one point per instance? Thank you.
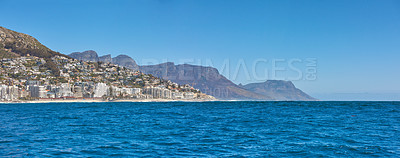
(188, 95)
(177, 95)
(65, 90)
(131, 91)
(38, 91)
(8, 93)
(157, 92)
(116, 91)
(78, 91)
(32, 82)
(101, 89)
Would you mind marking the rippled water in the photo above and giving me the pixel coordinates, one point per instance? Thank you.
(250, 129)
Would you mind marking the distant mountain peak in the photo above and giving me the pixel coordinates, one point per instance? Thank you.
(122, 59)
(210, 81)
(89, 55)
(207, 79)
(106, 58)
(15, 44)
(21, 44)
(279, 89)
(125, 61)
(123, 56)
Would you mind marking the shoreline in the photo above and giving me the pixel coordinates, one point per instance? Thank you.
(103, 101)
(155, 100)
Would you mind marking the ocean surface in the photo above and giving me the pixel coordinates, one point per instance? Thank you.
(201, 129)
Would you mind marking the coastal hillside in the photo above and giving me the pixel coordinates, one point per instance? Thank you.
(25, 79)
(14, 44)
(279, 90)
(30, 71)
(206, 79)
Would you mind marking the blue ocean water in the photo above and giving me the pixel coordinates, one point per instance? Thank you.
(201, 129)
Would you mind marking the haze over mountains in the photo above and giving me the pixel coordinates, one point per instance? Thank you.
(207, 79)
(280, 90)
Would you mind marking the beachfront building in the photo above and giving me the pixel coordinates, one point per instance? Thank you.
(64, 91)
(38, 91)
(101, 89)
(130, 91)
(24, 78)
(8, 93)
(189, 95)
(158, 92)
(177, 95)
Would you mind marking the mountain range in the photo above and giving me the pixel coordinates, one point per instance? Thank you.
(207, 79)
(90, 55)
(280, 90)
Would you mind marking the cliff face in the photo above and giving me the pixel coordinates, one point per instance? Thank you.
(88, 55)
(207, 79)
(106, 58)
(125, 61)
(279, 90)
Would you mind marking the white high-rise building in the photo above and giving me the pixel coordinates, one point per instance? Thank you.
(65, 90)
(8, 93)
(101, 89)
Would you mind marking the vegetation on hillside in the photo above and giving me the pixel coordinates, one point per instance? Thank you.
(14, 44)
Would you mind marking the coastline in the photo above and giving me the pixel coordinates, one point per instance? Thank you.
(162, 100)
(104, 101)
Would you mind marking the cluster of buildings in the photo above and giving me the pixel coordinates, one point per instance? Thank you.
(162, 92)
(27, 78)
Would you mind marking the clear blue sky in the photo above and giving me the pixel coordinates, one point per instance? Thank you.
(356, 43)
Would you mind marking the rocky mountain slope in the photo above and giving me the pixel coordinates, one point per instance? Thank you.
(15, 44)
(90, 55)
(279, 90)
(125, 61)
(207, 79)
(105, 58)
